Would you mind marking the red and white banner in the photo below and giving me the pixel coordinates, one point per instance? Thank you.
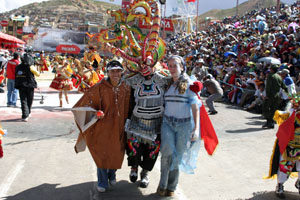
(164, 22)
(71, 49)
(4, 23)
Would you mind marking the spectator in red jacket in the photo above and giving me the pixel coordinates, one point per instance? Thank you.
(12, 92)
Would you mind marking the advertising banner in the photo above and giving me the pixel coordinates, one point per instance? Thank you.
(167, 23)
(51, 40)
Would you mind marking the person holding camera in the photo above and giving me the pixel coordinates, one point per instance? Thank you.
(213, 87)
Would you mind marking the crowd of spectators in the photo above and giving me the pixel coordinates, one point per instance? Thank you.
(239, 51)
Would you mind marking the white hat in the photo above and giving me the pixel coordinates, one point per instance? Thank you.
(200, 60)
(284, 71)
(252, 73)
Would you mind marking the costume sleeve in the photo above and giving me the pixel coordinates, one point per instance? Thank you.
(34, 71)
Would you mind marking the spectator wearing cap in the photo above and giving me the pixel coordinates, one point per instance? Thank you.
(12, 92)
(272, 100)
(214, 89)
(267, 53)
(200, 71)
(288, 81)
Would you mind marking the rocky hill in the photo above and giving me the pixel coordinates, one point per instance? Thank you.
(243, 8)
(64, 13)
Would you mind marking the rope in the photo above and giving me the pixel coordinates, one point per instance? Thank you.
(236, 87)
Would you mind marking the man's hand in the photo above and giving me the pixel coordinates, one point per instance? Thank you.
(100, 114)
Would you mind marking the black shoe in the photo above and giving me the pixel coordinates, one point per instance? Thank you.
(144, 179)
(279, 190)
(268, 124)
(297, 185)
(213, 112)
(133, 175)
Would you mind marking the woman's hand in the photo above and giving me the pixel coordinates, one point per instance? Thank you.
(100, 114)
(195, 135)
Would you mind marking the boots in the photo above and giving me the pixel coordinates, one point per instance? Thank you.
(133, 174)
(279, 190)
(144, 179)
(268, 124)
(297, 185)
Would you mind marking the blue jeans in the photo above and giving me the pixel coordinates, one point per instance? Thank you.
(12, 92)
(174, 140)
(104, 175)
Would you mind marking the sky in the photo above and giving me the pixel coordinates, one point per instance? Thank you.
(204, 5)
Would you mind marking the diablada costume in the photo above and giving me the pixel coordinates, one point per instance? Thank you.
(62, 79)
(141, 52)
(143, 129)
(285, 159)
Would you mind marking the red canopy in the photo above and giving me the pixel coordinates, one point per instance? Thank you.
(8, 38)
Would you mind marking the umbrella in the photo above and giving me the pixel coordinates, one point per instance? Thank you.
(237, 24)
(293, 25)
(270, 60)
(229, 53)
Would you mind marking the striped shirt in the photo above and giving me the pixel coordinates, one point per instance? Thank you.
(179, 105)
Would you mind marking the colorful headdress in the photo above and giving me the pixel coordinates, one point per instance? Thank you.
(138, 49)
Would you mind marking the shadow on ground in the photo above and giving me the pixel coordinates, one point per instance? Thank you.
(52, 91)
(48, 108)
(267, 195)
(35, 140)
(83, 191)
(247, 130)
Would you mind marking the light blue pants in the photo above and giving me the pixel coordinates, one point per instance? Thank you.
(104, 175)
(12, 92)
(174, 140)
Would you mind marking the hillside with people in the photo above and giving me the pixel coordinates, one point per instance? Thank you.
(64, 14)
(242, 9)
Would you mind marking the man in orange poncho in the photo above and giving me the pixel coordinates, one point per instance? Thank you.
(100, 115)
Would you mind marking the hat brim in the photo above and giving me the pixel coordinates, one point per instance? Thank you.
(114, 67)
